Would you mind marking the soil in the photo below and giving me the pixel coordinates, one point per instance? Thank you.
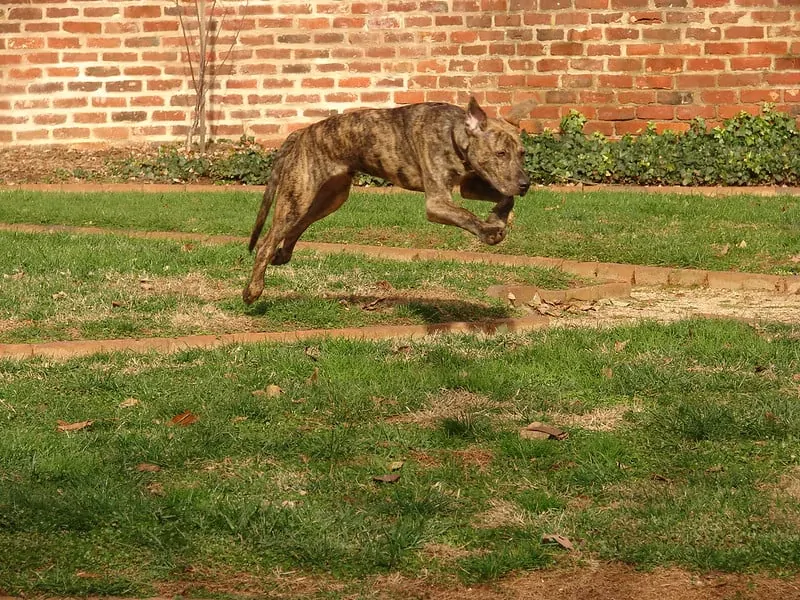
(573, 579)
(57, 164)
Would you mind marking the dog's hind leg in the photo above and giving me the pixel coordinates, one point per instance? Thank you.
(329, 199)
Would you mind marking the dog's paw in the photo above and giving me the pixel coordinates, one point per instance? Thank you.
(251, 293)
(493, 234)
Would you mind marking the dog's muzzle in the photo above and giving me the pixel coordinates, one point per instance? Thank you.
(524, 185)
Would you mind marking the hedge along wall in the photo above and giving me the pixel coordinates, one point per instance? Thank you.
(90, 72)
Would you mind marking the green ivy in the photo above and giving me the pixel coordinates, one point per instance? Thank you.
(746, 150)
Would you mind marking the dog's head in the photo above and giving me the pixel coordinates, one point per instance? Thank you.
(495, 151)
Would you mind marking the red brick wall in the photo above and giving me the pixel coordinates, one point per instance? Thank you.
(89, 72)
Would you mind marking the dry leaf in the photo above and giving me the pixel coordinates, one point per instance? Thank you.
(128, 402)
(715, 469)
(396, 465)
(64, 426)
(795, 258)
(554, 538)
(146, 284)
(511, 299)
(388, 478)
(116, 304)
(742, 244)
(184, 419)
(273, 391)
(59, 295)
(542, 431)
(722, 250)
(620, 346)
(147, 468)
(657, 477)
(607, 372)
(86, 575)
(312, 352)
(373, 305)
(155, 488)
(796, 377)
(238, 419)
(188, 247)
(312, 379)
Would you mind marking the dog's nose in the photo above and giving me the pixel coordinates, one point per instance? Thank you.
(524, 185)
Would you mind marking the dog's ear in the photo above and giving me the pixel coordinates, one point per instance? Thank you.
(518, 111)
(476, 118)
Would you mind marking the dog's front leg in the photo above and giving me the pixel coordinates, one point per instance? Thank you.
(475, 188)
(439, 208)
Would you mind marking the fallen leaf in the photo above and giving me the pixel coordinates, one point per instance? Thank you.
(396, 465)
(388, 478)
(796, 377)
(312, 379)
(795, 258)
(620, 346)
(184, 419)
(288, 504)
(146, 284)
(511, 299)
(373, 305)
(273, 391)
(147, 468)
(128, 402)
(86, 575)
(554, 538)
(64, 426)
(742, 244)
(542, 431)
(116, 304)
(312, 352)
(59, 295)
(657, 477)
(188, 247)
(619, 303)
(155, 488)
(607, 372)
(715, 469)
(238, 419)
(722, 250)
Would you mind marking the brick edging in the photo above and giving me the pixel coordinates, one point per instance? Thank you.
(165, 188)
(72, 349)
(602, 271)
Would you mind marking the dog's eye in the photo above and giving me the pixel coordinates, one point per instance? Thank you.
(501, 153)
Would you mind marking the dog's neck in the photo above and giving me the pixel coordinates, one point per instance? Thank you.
(461, 145)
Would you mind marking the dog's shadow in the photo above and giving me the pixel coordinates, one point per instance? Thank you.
(395, 308)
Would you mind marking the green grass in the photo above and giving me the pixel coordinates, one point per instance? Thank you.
(701, 429)
(62, 286)
(641, 228)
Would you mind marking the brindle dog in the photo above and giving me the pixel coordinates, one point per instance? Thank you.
(428, 147)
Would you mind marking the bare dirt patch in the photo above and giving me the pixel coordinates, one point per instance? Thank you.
(501, 513)
(666, 304)
(451, 404)
(592, 581)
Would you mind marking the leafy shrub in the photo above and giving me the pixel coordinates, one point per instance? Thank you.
(745, 150)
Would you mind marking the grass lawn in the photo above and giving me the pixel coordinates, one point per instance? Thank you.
(62, 286)
(746, 233)
(683, 450)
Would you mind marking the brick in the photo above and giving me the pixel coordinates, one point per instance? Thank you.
(751, 96)
(615, 81)
(705, 64)
(25, 43)
(687, 113)
(622, 113)
(142, 12)
(49, 119)
(724, 48)
(624, 64)
(751, 63)
(726, 17)
(127, 85)
(545, 65)
(736, 33)
(787, 64)
(566, 49)
(102, 71)
(81, 27)
(615, 34)
(662, 113)
(643, 49)
(636, 97)
(24, 14)
(67, 133)
(603, 50)
(662, 82)
(675, 98)
(663, 65)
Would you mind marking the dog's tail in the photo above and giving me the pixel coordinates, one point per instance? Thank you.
(269, 192)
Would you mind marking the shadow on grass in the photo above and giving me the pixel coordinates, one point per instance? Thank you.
(348, 308)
